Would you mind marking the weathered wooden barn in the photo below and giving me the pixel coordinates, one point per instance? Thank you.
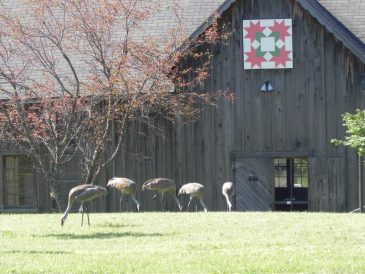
(273, 142)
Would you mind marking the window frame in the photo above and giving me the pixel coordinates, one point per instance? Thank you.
(35, 203)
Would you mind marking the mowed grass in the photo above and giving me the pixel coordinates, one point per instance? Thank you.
(184, 243)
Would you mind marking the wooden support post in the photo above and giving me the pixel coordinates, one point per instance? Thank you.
(360, 185)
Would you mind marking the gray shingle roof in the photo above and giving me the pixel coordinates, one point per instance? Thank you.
(193, 14)
(350, 12)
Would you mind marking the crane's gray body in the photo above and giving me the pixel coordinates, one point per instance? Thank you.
(162, 185)
(90, 193)
(126, 187)
(195, 190)
(83, 193)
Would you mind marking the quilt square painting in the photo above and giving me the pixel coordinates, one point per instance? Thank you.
(268, 44)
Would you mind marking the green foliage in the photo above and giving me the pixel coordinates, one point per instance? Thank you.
(214, 242)
(355, 131)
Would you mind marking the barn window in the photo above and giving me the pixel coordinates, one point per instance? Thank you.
(291, 183)
(18, 182)
(300, 172)
(280, 172)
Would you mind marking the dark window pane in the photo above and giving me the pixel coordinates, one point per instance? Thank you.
(18, 182)
(300, 173)
(280, 172)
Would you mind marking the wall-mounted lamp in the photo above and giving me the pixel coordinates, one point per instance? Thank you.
(267, 86)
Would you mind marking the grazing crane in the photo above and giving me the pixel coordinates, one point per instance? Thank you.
(126, 187)
(228, 191)
(163, 186)
(83, 193)
(196, 191)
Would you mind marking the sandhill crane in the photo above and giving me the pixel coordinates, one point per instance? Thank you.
(83, 193)
(196, 191)
(228, 190)
(126, 187)
(163, 186)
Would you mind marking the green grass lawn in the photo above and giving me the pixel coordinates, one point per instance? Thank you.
(183, 243)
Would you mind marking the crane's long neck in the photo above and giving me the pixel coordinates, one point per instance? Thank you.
(178, 203)
(65, 214)
(136, 202)
(229, 202)
(203, 205)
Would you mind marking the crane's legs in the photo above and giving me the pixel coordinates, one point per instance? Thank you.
(120, 202)
(163, 206)
(126, 204)
(86, 208)
(191, 198)
(87, 212)
(82, 216)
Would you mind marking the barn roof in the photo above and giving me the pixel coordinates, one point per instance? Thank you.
(350, 12)
(321, 11)
(344, 18)
(197, 15)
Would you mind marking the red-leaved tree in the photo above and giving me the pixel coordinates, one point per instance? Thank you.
(75, 73)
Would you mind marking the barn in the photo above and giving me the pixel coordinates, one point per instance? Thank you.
(295, 66)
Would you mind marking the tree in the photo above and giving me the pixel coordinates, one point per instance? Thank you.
(355, 138)
(355, 132)
(72, 73)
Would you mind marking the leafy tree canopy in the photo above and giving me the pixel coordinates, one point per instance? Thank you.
(355, 131)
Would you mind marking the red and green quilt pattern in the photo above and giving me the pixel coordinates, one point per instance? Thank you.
(268, 44)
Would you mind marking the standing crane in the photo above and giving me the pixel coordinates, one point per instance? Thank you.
(126, 187)
(162, 185)
(196, 191)
(228, 191)
(83, 193)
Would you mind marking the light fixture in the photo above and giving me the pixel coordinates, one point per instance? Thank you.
(267, 86)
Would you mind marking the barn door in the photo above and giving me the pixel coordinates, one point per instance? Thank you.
(253, 178)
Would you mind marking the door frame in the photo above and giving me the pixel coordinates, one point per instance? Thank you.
(287, 200)
(277, 154)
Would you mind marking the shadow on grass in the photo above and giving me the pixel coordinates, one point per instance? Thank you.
(100, 235)
(114, 225)
(33, 252)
